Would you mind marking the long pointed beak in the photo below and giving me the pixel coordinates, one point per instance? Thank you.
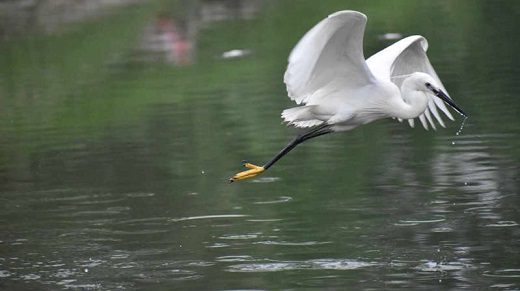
(447, 99)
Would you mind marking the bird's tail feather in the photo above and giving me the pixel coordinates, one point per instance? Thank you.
(300, 116)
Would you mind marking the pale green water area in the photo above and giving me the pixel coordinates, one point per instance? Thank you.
(114, 156)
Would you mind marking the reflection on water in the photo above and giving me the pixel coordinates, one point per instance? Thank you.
(124, 186)
(166, 41)
(174, 40)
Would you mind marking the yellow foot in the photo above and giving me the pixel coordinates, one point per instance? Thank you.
(253, 172)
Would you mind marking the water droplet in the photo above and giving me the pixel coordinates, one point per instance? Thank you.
(453, 143)
(461, 126)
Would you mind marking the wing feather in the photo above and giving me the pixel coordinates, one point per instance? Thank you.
(331, 50)
(405, 57)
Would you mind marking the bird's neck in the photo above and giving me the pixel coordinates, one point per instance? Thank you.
(411, 104)
(412, 101)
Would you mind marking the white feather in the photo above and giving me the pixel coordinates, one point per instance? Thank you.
(328, 74)
(300, 116)
(333, 49)
(403, 58)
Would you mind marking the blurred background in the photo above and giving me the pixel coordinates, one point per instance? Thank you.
(121, 121)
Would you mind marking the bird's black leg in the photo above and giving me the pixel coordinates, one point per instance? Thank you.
(315, 132)
(256, 170)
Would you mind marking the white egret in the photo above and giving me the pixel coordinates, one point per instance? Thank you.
(339, 90)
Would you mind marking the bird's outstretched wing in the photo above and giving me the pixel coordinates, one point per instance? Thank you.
(403, 58)
(331, 50)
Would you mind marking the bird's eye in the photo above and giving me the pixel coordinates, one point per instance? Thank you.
(428, 84)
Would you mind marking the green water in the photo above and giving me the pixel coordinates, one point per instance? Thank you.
(113, 172)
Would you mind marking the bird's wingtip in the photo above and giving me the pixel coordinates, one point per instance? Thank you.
(345, 12)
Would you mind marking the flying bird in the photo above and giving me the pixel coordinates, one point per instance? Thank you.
(338, 90)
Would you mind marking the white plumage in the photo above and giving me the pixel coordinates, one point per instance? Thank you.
(328, 74)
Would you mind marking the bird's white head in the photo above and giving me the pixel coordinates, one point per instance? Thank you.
(417, 82)
(416, 91)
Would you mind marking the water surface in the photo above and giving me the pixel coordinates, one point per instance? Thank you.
(118, 181)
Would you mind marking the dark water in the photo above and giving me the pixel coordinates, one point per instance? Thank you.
(118, 181)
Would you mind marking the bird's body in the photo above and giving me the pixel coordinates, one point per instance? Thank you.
(338, 90)
(345, 113)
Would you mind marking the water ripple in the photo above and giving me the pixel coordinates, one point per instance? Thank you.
(504, 273)
(265, 180)
(319, 264)
(238, 236)
(503, 224)
(218, 245)
(134, 195)
(207, 217)
(431, 266)
(411, 222)
(287, 243)
(281, 199)
(265, 220)
(243, 258)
